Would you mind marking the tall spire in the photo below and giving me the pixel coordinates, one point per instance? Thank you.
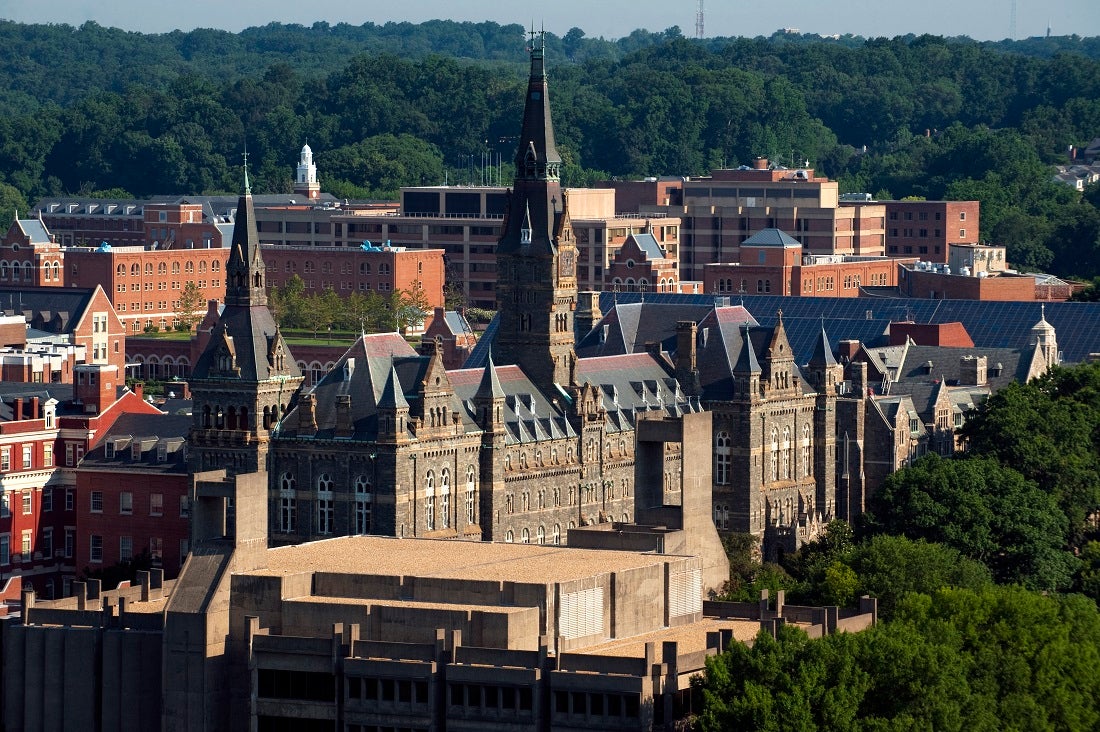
(537, 255)
(245, 273)
(537, 156)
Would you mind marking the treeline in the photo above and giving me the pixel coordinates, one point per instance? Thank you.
(987, 570)
(324, 312)
(98, 111)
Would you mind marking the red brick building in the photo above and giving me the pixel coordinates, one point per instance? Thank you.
(938, 283)
(454, 332)
(29, 257)
(83, 318)
(642, 265)
(144, 285)
(132, 494)
(772, 263)
(925, 229)
(45, 431)
(381, 269)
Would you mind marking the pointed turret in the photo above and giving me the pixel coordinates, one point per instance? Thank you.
(746, 369)
(489, 399)
(536, 254)
(823, 352)
(245, 375)
(393, 410)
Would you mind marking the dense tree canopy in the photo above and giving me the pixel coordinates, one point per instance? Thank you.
(995, 659)
(90, 109)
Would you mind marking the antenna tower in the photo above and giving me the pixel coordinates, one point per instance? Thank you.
(699, 20)
(1011, 22)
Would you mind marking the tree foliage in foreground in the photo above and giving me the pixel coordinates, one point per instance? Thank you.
(1002, 658)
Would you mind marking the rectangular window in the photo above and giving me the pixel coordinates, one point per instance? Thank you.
(45, 541)
(156, 547)
(125, 502)
(324, 516)
(962, 233)
(26, 549)
(47, 455)
(185, 507)
(5, 549)
(962, 215)
(70, 542)
(26, 456)
(69, 453)
(95, 549)
(47, 500)
(97, 502)
(184, 548)
(125, 548)
(70, 499)
(156, 504)
(5, 459)
(28, 501)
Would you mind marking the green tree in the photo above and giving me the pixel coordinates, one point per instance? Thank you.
(987, 512)
(190, 307)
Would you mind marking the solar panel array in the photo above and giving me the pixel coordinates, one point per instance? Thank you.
(990, 324)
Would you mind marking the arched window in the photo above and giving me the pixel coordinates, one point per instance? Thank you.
(288, 503)
(215, 266)
(509, 537)
(721, 516)
(788, 453)
(149, 268)
(120, 270)
(202, 267)
(722, 458)
(557, 534)
(774, 472)
(363, 500)
(325, 502)
(135, 270)
(175, 267)
(445, 498)
(807, 462)
(471, 495)
(57, 271)
(162, 268)
(189, 267)
(429, 500)
(525, 536)
(540, 536)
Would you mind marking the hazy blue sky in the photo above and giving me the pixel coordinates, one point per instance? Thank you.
(980, 19)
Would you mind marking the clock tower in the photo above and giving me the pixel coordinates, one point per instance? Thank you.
(537, 254)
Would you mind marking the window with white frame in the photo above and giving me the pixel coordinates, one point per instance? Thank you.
(27, 456)
(28, 503)
(5, 459)
(126, 503)
(27, 549)
(445, 498)
(47, 449)
(325, 503)
(807, 462)
(125, 548)
(288, 504)
(47, 500)
(95, 548)
(70, 542)
(722, 457)
(429, 500)
(471, 493)
(363, 499)
(156, 504)
(96, 502)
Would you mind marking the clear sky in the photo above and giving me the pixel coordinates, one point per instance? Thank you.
(979, 19)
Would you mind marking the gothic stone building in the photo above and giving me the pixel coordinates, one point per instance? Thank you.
(523, 448)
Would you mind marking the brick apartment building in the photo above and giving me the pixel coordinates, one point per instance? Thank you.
(926, 229)
(45, 431)
(132, 494)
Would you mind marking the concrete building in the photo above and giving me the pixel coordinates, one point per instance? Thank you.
(378, 633)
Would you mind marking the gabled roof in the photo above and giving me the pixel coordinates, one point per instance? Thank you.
(648, 244)
(34, 230)
(51, 309)
(771, 238)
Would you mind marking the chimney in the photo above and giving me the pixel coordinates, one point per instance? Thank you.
(139, 389)
(344, 425)
(848, 350)
(17, 409)
(307, 416)
(95, 386)
(687, 372)
(587, 314)
(859, 379)
(35, 413)
(972, 371)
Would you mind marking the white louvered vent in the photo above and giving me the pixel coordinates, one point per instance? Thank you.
(581, 613)
(686, 593)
